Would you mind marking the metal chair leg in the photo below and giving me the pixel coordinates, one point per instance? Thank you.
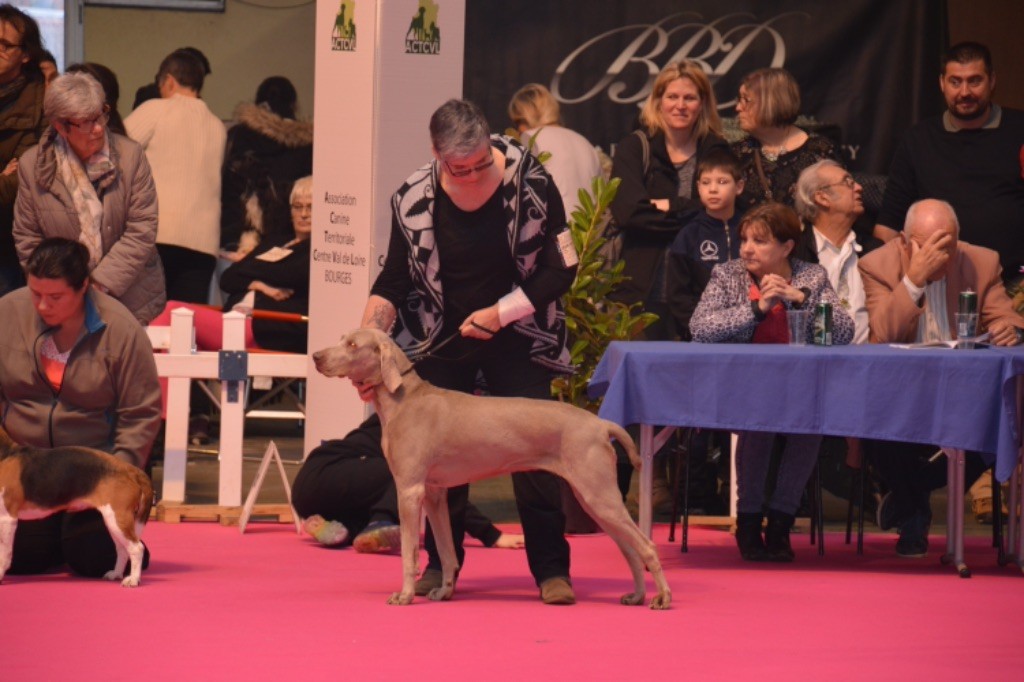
(819, 510)
(863, 478)
(997, 520)
(854, 476)
(684, 546)
(675, 493)
(682, 453)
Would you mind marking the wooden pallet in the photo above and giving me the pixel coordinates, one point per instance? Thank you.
(176, 512)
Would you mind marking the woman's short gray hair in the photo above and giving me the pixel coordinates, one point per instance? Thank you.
(302, 189)
(458, 128)
(73, 95)
(807, 184)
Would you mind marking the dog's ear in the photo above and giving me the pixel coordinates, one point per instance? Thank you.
(392, 364)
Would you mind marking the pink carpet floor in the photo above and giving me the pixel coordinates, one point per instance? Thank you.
(269, 605)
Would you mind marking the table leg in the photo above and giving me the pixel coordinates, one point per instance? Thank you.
(955, 511)
(650, 443)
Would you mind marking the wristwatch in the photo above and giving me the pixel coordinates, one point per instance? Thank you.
(1020, 334)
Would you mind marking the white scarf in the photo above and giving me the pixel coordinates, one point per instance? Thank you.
(77, 178)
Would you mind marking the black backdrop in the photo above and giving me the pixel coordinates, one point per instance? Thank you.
(869, 67)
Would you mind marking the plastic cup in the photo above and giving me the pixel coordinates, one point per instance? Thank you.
(797, 320)
(966, 329)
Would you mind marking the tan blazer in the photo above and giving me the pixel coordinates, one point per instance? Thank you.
(893, 315)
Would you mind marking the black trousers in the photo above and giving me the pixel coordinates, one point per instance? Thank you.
(504, 364)
(348, 480)
(909, 471)
(79, 539)
(188, 273)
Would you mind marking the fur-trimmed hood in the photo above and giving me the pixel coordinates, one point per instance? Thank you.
(285, 131)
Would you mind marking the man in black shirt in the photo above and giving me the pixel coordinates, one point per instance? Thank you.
(970, 156)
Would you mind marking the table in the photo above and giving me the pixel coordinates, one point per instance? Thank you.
(964, 400)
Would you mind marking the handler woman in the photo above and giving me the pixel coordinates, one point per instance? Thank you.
(746, 302)
(76, 368)
(474, 264)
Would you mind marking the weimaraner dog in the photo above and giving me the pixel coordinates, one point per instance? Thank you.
(434, 439)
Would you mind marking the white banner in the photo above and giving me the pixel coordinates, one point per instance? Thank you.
(382, 68)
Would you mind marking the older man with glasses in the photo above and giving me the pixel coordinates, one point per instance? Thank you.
(829, 200)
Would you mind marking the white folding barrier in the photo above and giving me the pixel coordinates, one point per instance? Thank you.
(233, 367)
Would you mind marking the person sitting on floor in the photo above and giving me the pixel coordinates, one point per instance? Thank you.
(76, 368)
(912, 286)
(346, 493)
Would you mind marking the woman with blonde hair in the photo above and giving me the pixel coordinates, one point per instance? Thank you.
(775, 150)
(573, 161)
(658, 194)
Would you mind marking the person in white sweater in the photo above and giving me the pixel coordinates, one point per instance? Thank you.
(574, 162)
(184, 143)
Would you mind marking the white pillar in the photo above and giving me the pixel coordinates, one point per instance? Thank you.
(232, 417)
(176, 428)
(380, 73)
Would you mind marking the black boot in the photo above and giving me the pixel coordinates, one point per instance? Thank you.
(748, 536)
(777, 536)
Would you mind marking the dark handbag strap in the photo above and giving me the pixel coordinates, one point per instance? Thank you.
(645, 145)
(760, 174)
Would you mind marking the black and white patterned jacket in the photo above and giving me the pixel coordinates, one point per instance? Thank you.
(527, 193)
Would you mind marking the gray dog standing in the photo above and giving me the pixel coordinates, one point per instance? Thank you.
(434, 439)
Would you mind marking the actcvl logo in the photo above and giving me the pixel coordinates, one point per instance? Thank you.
(424, 35)
(343, 35)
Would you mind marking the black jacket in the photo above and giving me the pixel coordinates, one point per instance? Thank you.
(702, 244)
(265, 155)
(647, 231)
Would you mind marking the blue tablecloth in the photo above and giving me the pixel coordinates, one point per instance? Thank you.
(953, 398)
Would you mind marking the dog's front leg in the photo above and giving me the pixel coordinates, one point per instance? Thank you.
(410, 502)
(436, 503)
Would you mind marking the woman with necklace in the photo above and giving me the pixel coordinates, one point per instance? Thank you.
(775, 151)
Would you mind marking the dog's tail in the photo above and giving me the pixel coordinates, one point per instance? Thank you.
(619, 434)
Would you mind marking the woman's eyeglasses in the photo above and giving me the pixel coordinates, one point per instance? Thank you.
(463, 172)
(88, 125)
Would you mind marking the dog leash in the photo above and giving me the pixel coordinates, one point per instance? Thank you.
(444, 342)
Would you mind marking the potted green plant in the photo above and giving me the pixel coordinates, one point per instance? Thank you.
(592, 319)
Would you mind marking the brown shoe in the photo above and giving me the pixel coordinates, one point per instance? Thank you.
(557, 591)
(431, 578)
